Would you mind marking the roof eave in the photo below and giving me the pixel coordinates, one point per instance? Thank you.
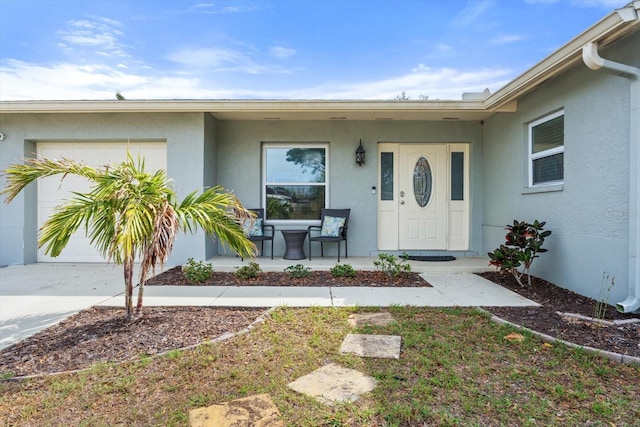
(610, 28)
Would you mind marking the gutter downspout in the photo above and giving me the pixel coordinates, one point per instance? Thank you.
(593, 60)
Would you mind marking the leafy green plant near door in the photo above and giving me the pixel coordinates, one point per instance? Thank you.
(523, 244)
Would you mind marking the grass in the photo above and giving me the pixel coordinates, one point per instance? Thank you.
(455, 368)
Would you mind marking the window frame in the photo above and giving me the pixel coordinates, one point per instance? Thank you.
(265, 183)
(545, 153)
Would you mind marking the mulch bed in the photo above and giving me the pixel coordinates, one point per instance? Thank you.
(623, 339)
(101, 334)
(174, 277)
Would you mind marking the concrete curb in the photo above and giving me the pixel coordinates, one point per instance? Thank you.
(616, 357)
(223, 337)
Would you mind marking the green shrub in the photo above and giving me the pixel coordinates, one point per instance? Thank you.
(389, 264)
(343, 270)
(197, 271)
(523, 243)
(298, 271)
(249, 271)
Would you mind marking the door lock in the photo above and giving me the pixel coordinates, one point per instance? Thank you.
(402, 194)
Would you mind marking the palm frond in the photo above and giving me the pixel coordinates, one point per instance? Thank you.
(21, 175)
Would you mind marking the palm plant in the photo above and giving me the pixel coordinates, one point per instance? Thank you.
(131, 214)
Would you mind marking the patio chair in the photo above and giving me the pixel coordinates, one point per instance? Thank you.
(255, 230)
(333, 228)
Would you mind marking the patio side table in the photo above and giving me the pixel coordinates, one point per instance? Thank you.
(294, 242)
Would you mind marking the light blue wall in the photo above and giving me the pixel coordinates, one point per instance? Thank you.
(239, 166)
(590, 216)
(184, 134)
(210, 171)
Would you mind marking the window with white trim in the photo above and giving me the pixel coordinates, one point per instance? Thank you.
(546, 150)
(295, 180)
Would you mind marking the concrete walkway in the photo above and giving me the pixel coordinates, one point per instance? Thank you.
(35, 296)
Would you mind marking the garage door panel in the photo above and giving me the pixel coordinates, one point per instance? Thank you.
(52, 191)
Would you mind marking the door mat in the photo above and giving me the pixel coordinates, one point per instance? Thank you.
(430, 258)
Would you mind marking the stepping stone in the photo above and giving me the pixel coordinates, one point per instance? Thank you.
(257, 410)
(332, 383)
(374, 319)
(381, 346)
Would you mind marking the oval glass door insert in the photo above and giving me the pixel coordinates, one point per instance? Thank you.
(422, 182)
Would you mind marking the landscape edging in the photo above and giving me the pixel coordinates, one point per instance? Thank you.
(616, 357)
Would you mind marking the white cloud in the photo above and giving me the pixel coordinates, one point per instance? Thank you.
(65, 81)
(440, 83)
(471, 12)
(281, 52)
(607, 4)
(506, 39)
(221, 60)
(101, 34)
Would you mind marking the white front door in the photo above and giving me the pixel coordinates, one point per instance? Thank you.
(423, 202)
(423, 197)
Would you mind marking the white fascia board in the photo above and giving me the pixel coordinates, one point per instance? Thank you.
(605, 31)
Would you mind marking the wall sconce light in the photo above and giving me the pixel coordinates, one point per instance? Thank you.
(360, 154)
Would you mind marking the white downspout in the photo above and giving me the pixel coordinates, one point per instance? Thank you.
(595, 62)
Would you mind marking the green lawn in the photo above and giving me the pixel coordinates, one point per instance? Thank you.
(456, 368)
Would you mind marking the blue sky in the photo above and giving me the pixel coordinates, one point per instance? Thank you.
(278, 49)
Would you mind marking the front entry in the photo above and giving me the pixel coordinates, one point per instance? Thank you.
(422, 212)
(423, 197)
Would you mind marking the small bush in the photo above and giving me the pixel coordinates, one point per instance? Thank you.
(249, 271)
(343, 270)
(389, 264)
(523, 244)
(197, 271)
(298, 271)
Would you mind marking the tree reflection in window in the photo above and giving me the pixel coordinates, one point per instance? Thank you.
(295, 186)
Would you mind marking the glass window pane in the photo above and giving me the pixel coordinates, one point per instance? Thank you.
(295, 165)
(386, 178)
(457, 176)
(548, 135)
(301, 202)
(548, 169)
(422, 182)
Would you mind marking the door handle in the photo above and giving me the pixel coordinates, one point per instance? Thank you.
(402, 202)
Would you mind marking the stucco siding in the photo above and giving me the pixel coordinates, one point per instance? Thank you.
(589, 216)
(185, 163)
(239, 166)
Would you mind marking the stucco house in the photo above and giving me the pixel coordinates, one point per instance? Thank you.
(558, 143)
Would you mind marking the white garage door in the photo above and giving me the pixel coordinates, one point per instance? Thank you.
(52, 192)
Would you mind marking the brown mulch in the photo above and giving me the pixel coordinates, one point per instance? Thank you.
(622, 339)
(174, 277)
(103, 335)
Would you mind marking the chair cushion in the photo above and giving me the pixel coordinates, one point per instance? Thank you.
(331, 226)
(253, 228)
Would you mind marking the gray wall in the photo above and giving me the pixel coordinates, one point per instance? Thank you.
(589, 217)
(184, 134)
(210, 171)
(203, 152)
(239, 166)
